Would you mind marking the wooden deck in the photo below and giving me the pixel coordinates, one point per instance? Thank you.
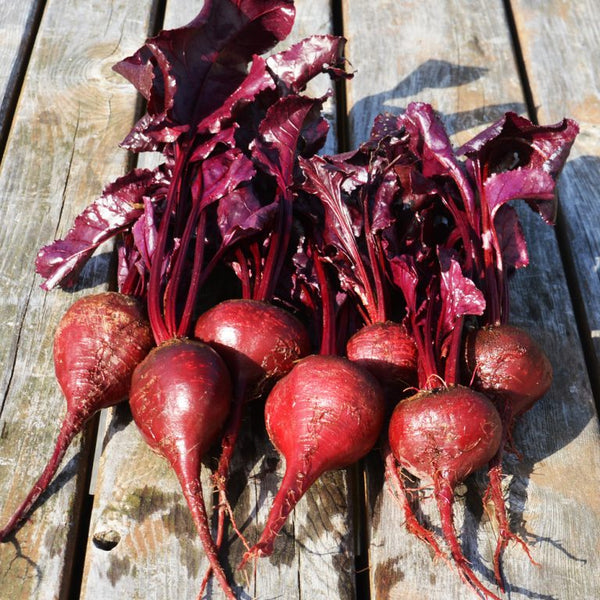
(62, 116)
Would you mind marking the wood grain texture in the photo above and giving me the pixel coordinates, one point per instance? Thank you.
(61, 150)
(158, 554)
(560, 42)
(457, 56)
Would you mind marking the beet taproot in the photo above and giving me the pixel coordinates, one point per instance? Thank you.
(98, 343)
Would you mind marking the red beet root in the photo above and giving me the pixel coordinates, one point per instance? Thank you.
(259, 341)
(446, 432)
(326, 414)
(510, 367)
(180, 398)
(388, 352)
(97, 345)
(441, 436)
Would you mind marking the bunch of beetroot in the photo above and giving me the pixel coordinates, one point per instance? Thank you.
(425, 245)
(379, 280)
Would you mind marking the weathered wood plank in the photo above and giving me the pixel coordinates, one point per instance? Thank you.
(17, 32)
(561, 50)
(457, 56)
(57, 160)
(158, 554)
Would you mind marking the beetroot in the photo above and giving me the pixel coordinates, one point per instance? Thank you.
(259, 341)
(445, 431)
(442, 436)
(325, 414)
(510, 367)
(388, 352)
(180, 398)
(97, 345)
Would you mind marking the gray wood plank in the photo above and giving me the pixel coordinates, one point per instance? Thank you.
(456, 55)
(61, 151)
(158, 555)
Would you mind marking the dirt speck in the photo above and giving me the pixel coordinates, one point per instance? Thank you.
(118, 567)
(387, 575)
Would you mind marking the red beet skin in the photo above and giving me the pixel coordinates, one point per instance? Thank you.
(508, 364)
(326, 414)
(441, 436)
(257, 340)
(98, 343)
(180, 398)
(448, 433)
(388, 352)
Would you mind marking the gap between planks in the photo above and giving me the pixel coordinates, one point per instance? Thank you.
(17, 75)
(356, 474)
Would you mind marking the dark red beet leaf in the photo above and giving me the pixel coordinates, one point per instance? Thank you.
(187, 73)
(516, 145)
(296, 66)
(120, 205)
